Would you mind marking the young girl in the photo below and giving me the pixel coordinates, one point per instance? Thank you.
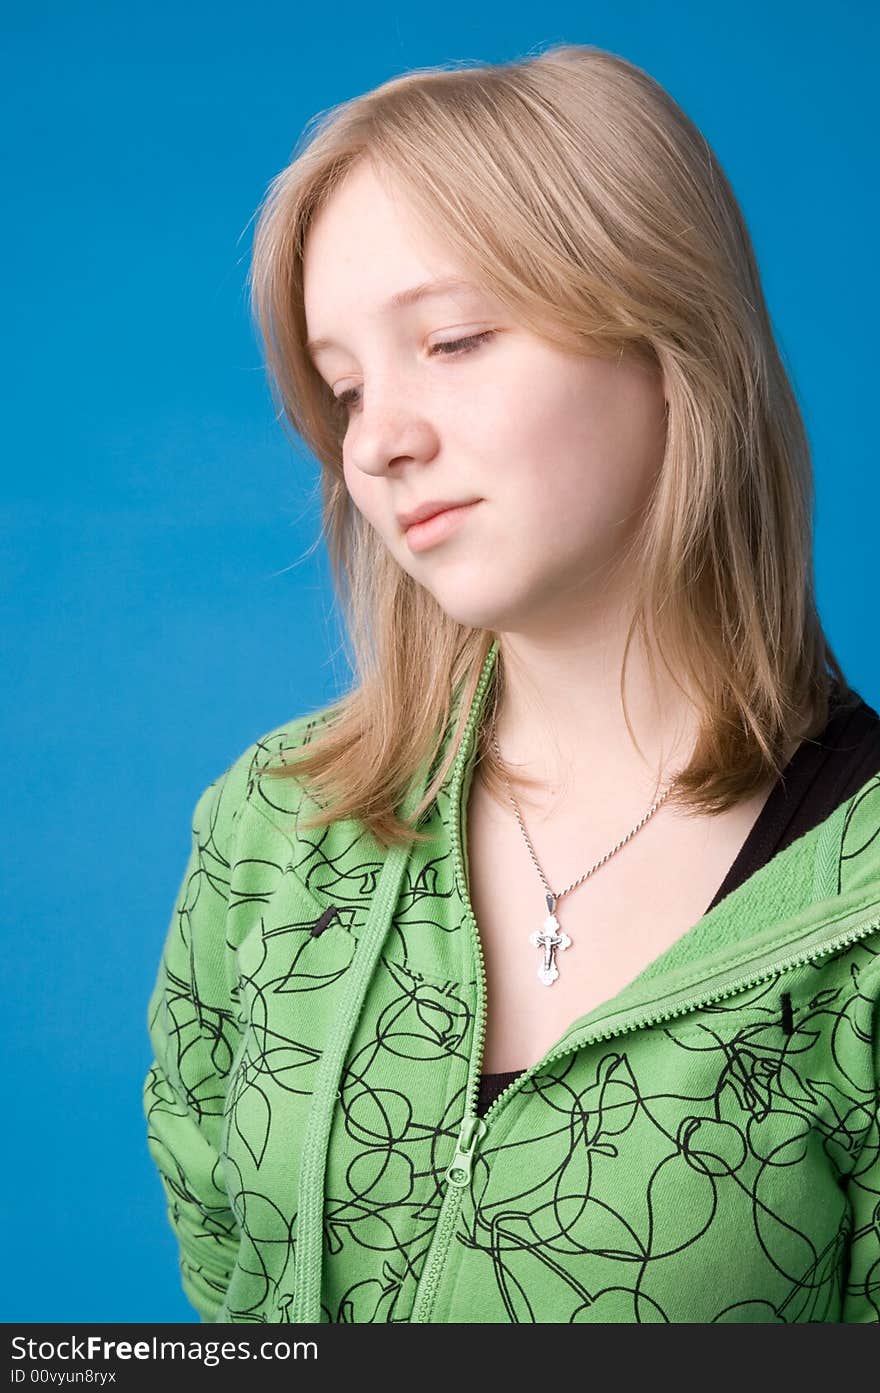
(536, 978)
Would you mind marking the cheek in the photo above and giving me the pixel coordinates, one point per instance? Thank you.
(568, 501)
(585, 459)
(362, 490)
(349, 474)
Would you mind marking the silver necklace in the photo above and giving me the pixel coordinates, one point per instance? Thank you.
(550, 937)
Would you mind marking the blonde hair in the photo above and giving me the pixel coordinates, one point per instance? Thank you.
(576, 190)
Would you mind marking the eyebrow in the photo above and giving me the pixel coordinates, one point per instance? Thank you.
(402, 299)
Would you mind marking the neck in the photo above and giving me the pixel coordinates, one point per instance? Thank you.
(560, 718)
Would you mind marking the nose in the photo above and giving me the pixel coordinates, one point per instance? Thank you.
(391, 428)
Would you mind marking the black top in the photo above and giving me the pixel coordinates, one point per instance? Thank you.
(821, 773)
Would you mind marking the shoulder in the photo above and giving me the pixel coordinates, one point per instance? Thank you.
(239, 787)
(859, 856)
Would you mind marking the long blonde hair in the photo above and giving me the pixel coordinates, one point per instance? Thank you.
(576, 190)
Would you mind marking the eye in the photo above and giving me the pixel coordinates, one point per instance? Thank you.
(447, 348)
(466, 345)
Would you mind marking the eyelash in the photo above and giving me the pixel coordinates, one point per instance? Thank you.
(446, 348)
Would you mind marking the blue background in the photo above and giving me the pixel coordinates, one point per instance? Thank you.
(161, 607)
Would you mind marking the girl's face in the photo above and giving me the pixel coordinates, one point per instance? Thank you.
(560, 450)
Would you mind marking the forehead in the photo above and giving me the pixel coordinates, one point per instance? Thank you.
(362, 214)
(366, 253)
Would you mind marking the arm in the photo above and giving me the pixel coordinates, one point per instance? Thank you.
(193, 1032)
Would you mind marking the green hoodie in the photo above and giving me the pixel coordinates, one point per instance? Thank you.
(702, 1147)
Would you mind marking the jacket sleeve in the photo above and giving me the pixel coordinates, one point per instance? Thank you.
(193, 1030)
(861, 1295)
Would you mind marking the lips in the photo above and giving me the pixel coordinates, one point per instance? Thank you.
(431, 509)
(431, 531)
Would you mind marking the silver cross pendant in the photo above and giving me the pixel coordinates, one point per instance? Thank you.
(549, 938)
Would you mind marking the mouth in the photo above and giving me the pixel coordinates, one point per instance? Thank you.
(438, 526)
(428, 510)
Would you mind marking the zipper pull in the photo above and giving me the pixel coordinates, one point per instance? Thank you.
(472, 1130)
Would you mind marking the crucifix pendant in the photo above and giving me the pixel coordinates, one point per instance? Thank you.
(549, 938)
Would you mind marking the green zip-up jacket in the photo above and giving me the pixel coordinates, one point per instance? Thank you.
(702, 1147)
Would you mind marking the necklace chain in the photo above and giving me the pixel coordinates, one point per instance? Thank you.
(551, 938)
(601, 862)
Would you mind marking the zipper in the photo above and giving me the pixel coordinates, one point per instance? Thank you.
(473, 1128)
